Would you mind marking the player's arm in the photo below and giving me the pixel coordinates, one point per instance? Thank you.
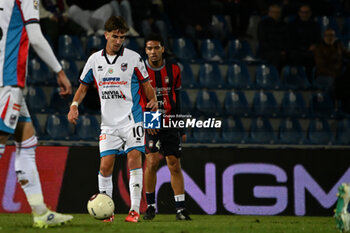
(78, 98)
(44, 51)
(152, 103)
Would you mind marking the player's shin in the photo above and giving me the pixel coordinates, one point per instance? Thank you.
(135, 185)
(105, 184)
(27, 174)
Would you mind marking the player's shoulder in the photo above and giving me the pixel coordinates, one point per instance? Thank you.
(173, 62)
(95, 56)
(131, 53)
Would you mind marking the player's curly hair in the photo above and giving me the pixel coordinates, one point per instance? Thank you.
(154, 37)
(116, 23)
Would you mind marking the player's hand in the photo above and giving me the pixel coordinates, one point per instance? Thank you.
(64, 84)
(152, 131)
(153, 105)
(73, 115)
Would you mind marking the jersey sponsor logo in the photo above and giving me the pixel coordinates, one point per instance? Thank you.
(102, 137)
(124, 66)
(16, 107)
(162, 90)
(112, 95)
(111, 81)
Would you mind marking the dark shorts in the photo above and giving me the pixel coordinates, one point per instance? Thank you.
(166, 141)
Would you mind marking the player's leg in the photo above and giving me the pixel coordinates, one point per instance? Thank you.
(27, 172)
(172, 153)
(152, 163)
(9, 113)
(342, 216)
(110, 145)
(105, 183)
(134, 146)
(135, 184)
(28, 178)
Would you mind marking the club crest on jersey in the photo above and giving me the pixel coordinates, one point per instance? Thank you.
(124, 66)
(36, 4)
(13, 119)
(166, 79)
(110, 70)
(150, 144)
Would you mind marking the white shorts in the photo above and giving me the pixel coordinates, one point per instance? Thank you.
(12, 108)
(121, 141)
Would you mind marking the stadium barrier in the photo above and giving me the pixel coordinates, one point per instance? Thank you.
(244, 181)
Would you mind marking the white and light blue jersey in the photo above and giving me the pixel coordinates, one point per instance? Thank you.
(14, 43)
(118, 82)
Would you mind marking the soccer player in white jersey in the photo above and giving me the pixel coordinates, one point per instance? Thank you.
(120, 76)
(19, 26)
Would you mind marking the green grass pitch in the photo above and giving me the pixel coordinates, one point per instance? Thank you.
(83, 223)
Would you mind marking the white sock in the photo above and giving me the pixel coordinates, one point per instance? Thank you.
(180, 197)
(27, 174)
(105, 184)
(135, 186)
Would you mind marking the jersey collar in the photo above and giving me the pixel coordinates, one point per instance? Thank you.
(119, 53)
(155, 69)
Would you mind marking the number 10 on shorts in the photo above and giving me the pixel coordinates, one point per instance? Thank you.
(151, 120)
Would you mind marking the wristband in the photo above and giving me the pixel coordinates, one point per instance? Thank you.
(75, 103)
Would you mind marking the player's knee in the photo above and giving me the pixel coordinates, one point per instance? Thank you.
(106, 170)
(152, 162)
(174, 165)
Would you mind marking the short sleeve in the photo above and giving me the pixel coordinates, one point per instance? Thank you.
(141, 71)
(87, 76)
(30, 11)
(177, 76)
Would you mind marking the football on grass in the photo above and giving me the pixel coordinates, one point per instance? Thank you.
(100, 206)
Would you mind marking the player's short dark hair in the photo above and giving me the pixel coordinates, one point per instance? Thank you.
(116, 23)
(154, 37)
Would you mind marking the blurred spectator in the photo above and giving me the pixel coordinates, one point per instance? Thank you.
(345, 6)
(92, 15)
(329, 55)
(273, 38)
(304, 35)
(151, 17)
(193, 19)
(342, 87)
(54, 20)
(239, 12)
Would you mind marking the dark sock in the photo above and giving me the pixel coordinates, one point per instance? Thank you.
(151, 198)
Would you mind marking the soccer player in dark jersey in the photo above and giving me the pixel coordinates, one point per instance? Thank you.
(165, 77)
